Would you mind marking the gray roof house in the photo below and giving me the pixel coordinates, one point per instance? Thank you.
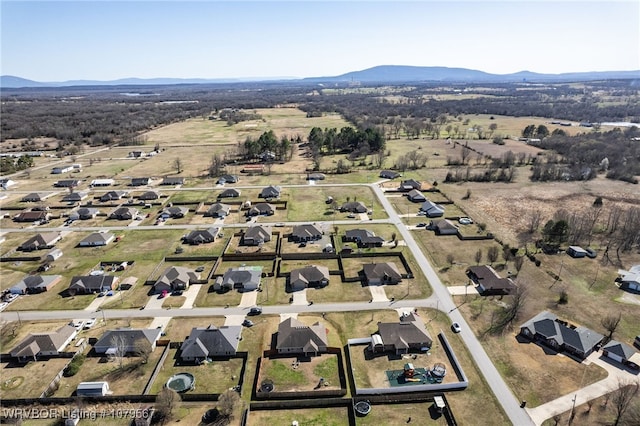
(381, 273)
(228, 179)
(41, 241)
(172, 181)
(124, 213)
(88, 284)
(363, 237)
(409, 184)
(35, 284)
(201, 236)
(174, 212)
(270, 192)
(546, 328)
(43, 344)
(416, 196)
(489, 282)
(261, 209)
(149, 196)
(443, 227)
(432, 209)
(130, 338)
(243, 278)
(211, 341)
(35, 197)
(410, 334)
(67, 183)
(229, 193)
(112, 196)
(175, 278)
(354, 207)
(140, 181)
(389, 174)
(85, 213)
(309, 276)
(622, 353)
(97, 239)
(218, 210)
(256, 235)
(75, 197)
(306, 232)
(294, 337)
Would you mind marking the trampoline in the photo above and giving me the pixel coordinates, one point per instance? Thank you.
(181, 382)
(362, 408)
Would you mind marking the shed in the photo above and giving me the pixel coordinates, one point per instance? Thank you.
(53, 255)
(92, 389)
(576, 251)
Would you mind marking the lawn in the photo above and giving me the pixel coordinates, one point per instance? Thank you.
(308, 417)
(207, 297)
(30, 380)
(294, 374)
(310, 205)
(179, 328)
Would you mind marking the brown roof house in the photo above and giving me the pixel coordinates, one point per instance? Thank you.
(175, 278)
(381, 273)
(309, 276)
(211, 341)
(294, 337)
(32, 216)
(354, 207)
(149, 196)
(256, 235)
(489, 282)
(305, 232)
(41, 241)
(548, 329)
(32, 284)
(409, 334)
(44, 344)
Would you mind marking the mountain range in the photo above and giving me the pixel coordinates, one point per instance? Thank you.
(378, 74)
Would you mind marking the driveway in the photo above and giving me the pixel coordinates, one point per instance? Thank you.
(160, 322)
(566, 402)
(300, 297)
(248, 299)
(461, 290)
(154, 302)
(233, 319)
(377, 293)
(191, 293)
(95, 304)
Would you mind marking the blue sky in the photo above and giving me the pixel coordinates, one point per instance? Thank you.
(103, 40)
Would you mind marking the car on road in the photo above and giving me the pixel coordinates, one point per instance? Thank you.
(247, 323)
(256, 310)
(90, 323)
(421, 225)
(465, 221)
(456, 327)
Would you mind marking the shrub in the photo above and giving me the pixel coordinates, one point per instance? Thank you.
(564, 297)
(74, 366)
(538, 262)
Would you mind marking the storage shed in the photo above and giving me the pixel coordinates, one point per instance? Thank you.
(92, 389)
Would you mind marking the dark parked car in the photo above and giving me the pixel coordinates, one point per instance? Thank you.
(591, 253)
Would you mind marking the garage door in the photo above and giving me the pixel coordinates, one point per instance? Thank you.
(614, 357)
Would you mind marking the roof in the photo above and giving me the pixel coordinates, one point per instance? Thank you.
(35, 196)
(35, 343)
(381, 270)
(294, 334)
(218, 208)
(42, 240)
(354, 206)
(229, 192)
(98, 237)
(486, 276)
(229, 178)
(270, 191)
(112, 195)
(76, 196)
(547, 325)
(173, 181)
(92, 282)
(37, 281)
(140, 181)
(389, 174)
(175, 211)
(445, 225)
(87, 211)
(176, 274)
(623, 350)
(409, 331)
(202, 235)
(149, 195)
(245, 276)
(364, 236)
(305, 231)
(130, 335)
(205, 341)
(68, 182)
(259, 208)
(414, 194)
(258, 232)
(311, 273)
(630, 276)
(432, 208)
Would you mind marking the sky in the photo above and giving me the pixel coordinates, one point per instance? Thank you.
(55, 40)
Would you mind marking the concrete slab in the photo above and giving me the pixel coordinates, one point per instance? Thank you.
(248, 299)
(461, 290)
(191, 293)
(300, 297)
(233, 319)
(377, 293)
(154, 302)
(285, 316)
(95, 304)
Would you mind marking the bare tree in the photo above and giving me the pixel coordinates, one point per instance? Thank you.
(216, 165)
(622, 399)
(535, 218)
(166, 402)
(504, 318)
(120, 344)
(492, 254)
(464, 155)
(380, 158)
(142, 349)
(227, 403)
(177, 164)
(450, 259)
(478, 256)
(610, 323)
(518, 262)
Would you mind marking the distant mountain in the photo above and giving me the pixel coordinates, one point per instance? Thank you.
(379, 74)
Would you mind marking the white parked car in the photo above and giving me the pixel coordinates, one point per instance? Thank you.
(465, 221)
(77, 324)
(10, 297)
(3, 305)
(90, 323)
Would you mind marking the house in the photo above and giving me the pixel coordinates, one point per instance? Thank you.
(149, 196)
(124, 213)
(354, 207)
(41, 241)
(92, 389)
(35, 197)
(141, 181)
(256, 235)
(229, 193)
(201, 236)
(243, 278)
(218, 210)
(389, 174)
(174, 212)
(576, 252)
(306, 232)
(228, 179)
(101, 182)
(92, 284)
(407, 335)
(85, 213)
(559, 335)
(270, 192)
(315, 176)
(97, 239)
(416, 196)
(489, 282)
(61, 169)
(432, 209)
(211, 341)
(112, 196)
(67, 183)
(75, 197)
(126, 340)
(309, 276)
(363, 237)
(32, 284)
(175, 278)
(172, 181)
(53, 255)
(6, 183)
(443, 227)
(135, 154)
(409, 184)
(294, 337)
(43, 344)
(261, 209)
(32, 216)
(630, 280)
(622, 353)
(381, 273)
